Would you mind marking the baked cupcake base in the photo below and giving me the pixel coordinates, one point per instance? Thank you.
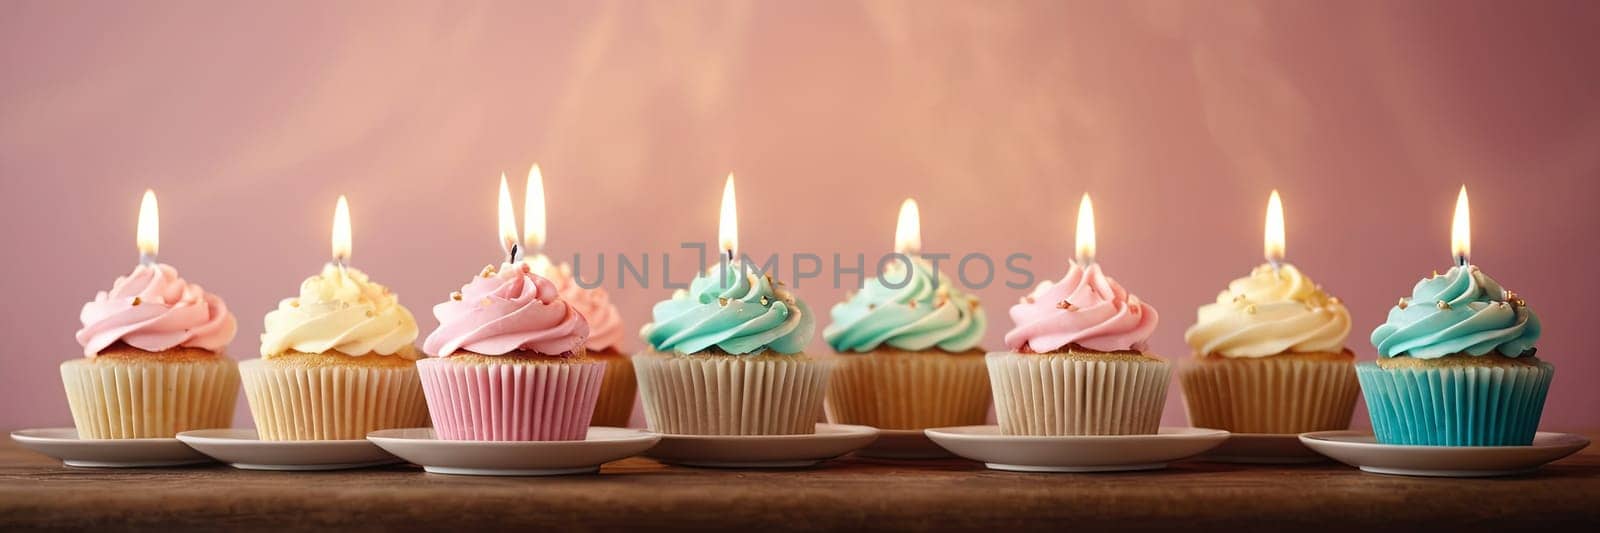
(717, 394)
(128, 393)
(333, 396)
(1457, 400)
(1286, 393)
(617, 391)
(896, 389)
(1078, 393)
(511, 397)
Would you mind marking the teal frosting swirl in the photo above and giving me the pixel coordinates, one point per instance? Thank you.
(736, 312)
(1460, 312)
(925, 312)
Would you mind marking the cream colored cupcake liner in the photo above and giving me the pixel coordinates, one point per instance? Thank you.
(731, 394)
(617, 391)
(1075, 394)
(333, 402)
(130, 398)
(1270, 395)
(909, 390)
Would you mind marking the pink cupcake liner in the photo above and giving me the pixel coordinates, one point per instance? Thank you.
(518, 400)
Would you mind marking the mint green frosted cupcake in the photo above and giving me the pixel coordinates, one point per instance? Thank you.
(1457, 366)
(910, 356)
(726, 358)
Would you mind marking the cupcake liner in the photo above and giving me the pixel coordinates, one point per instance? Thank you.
(1456, 405)
(617, 391)
(134, 398)
(707, 394)
(331, 402)
(1072, 394)
(909, 390)
(1270, 395)
(518, 400)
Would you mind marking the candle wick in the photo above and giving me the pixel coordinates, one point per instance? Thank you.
(1461, 260)
(147, 259)
(1277, 267)
(515, 254)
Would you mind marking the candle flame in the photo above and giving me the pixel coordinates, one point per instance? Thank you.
(148, 234)
(533, 222)
(908, 230)
(1085, 230)
(1461, 229)
(728, 225)
(1275, 242)
(508, 218)
(341, 231)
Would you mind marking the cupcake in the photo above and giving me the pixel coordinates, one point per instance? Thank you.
(1269, 357)
(1078, 361)
(336, 362)
(909, 352)
(726, 357)
(619, 387)
(153, 362)
(1456, 366)
(508, 362)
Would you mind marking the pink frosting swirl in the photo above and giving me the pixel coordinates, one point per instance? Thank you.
(1085, 308)
(153, 309)
(508, 310)
(605, 323)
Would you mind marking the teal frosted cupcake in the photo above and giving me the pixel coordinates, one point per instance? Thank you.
(726, 358)
(1457, 366)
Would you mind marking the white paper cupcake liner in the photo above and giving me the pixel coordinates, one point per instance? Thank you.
(617, 392)
(130, 398)
(333, 402)
(731, 394)
(1061, 394)
(1270, 395)
(901, 390)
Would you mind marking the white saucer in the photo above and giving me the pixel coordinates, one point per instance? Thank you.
(1264, 449)
(1360, 449)
(903, 444)
(763, 451)
(1085, 453)
(243, 449)
(513, 458)
(64, 444)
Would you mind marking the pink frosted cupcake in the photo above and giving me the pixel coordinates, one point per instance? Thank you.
(509, 362)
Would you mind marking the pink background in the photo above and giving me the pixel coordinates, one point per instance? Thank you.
(1178, 116)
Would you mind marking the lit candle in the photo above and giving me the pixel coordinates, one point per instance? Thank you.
(728, 223)
(341, 233)
(1461, 230)
(533, 223)
(148, 234)
(508, 225)
(1085, 231)
(908, 229)
(1275, 242)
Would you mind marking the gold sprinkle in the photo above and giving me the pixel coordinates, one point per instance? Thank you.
(722, 301)
(485, 302)
(1442, 305)
(1027, 299)
(1064, 305)
(765, 301)
(1250, 309)
(371, 313)
(1403, 303)
(1436, 273)
(137, 300)
(455, 296)
(872, 306)
(294, 303)
(912, 303)
(1240, 299)
(1334, 300)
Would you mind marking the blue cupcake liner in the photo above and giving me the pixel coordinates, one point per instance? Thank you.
(1455, 406)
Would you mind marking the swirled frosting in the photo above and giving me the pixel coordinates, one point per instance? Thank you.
(153, 309)
(1086, 308)
(736, 312)
(1462, 312)
(340, 310)
(605, 323)
(925, 312)
(504, 311)
(1270, 312)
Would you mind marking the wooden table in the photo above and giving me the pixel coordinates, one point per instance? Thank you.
(37, 492)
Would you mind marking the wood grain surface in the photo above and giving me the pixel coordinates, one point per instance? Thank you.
(38, 492)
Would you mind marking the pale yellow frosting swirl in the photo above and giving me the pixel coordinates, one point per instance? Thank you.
(341, 310)
(1268, 313)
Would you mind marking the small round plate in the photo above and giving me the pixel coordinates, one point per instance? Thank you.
(903, 444)
(763, 451)
(1360, 449)
(1263, 448)
(1081, 453)
(243, 449)
(513, 458)
(64, 444)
